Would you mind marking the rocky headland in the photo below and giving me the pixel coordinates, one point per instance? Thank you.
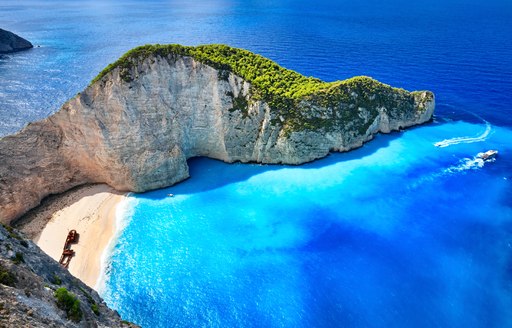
(139, 121)
(10, 42)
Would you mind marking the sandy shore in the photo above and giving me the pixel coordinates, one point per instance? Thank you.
(91, 211)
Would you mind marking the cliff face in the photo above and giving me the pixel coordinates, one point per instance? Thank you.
(28, 282)
(10, 42)
(135, 128)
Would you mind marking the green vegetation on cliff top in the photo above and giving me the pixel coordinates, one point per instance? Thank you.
(281, 88)
(263, 73)
(267, 76)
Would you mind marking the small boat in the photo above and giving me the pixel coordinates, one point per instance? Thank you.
(490, 154)
(170, 195)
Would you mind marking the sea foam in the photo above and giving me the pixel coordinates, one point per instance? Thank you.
(124, 211)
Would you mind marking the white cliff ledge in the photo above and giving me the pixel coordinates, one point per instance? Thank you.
(140, 120)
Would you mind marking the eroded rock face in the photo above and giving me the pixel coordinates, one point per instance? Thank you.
(10, 42)
(28, 281)
(136, 134)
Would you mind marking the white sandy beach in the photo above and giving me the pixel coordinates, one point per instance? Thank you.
(91, 211)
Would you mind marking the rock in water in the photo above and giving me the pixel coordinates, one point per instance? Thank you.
(10, 42)
(140, 120)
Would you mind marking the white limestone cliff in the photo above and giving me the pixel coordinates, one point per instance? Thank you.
(137, 135)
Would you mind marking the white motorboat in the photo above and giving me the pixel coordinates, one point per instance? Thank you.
(487, 155)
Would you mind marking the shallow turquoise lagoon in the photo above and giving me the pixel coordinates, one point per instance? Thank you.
(399, 233)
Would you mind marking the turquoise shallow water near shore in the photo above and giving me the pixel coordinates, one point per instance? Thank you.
(399, 233)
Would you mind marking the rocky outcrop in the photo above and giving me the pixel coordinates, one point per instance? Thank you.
(29, 280)
(136, 126)
(10, 42)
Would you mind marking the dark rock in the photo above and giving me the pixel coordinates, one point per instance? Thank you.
(27, 290)
(10, 42)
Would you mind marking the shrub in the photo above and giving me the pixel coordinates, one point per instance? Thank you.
(6, 277)
(56, 280)
(94, 306)
(87, 295)
(18, 258)
(95, 309)
(11, 232)
(69, 303)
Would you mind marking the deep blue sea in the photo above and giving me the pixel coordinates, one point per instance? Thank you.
(399, 233)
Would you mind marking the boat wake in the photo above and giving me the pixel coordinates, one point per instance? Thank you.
(465, 164)
(460, 140)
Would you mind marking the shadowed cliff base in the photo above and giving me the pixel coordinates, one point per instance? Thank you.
(208, 174)
(137, 124)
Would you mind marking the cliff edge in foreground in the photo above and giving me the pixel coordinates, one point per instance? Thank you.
(35, 291)
(140, 120)
(10, 42)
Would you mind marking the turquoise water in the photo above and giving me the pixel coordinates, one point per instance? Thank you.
(399, 233)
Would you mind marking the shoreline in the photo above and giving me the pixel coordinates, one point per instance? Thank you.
(92, 211)
(120, 223)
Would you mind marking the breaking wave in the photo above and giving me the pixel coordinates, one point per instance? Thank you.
(124, 211)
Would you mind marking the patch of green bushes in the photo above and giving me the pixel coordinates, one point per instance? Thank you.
(69, 302)
(7, 278)
(283, 89)
(95, 309)
(11, 232)
(240, 103)
(94, 306)
(56, 280)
